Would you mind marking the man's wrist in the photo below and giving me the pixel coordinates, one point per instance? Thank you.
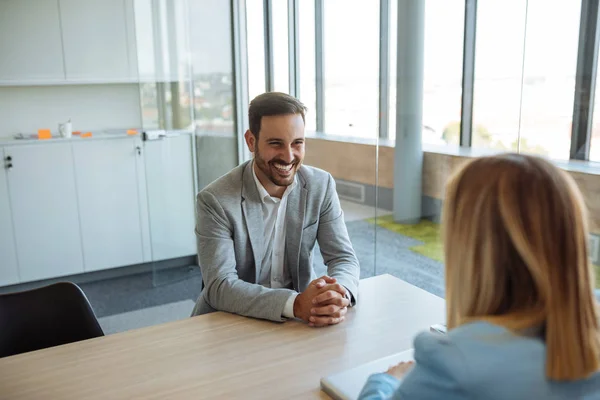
(289, 308)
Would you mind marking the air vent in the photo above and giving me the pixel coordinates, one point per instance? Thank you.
(351, 191)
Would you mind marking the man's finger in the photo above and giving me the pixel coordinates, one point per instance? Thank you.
(336, 318)
(334, 299)
(324, 321)
(327, 297)
(339, 288)
(325, 310)
(324, 280)
(336, 313)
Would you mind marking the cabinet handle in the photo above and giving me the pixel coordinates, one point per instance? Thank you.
(139, 150)
(8, 158)
(9, 166)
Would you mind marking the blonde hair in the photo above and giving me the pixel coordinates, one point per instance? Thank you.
(515, 239)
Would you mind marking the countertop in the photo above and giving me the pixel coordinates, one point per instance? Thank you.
(96, 135)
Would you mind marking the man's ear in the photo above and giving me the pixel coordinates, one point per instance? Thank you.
(250, 140)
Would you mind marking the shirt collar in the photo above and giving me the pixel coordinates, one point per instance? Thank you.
(263, 192)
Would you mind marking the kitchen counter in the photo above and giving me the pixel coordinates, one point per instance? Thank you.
(99, 135)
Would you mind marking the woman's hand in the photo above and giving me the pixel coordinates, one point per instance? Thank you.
(400, 370)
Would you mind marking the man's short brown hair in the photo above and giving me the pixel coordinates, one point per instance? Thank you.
(273, 103)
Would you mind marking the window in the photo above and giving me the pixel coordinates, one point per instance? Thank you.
(351, 67)
(442, 74)
(525, 76)
(549, 77)
(161, 35)
(443, 65)
(595, 129)
(212, 62)
(307, 70)
(255, 30)
(281, 60)
(393, 73)
(498, 68)
(212, 65)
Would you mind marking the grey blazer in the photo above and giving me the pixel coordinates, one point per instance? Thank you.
(230, 233)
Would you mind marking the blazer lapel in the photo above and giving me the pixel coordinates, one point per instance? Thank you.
(251, 206)
(294, 215)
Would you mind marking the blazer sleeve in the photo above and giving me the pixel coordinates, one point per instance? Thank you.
(439, 373)
(223, 290)
(335, 244)
(379, 386)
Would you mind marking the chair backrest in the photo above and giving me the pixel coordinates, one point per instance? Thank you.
(45, 317)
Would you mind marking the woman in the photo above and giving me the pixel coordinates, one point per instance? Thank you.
(521, 312)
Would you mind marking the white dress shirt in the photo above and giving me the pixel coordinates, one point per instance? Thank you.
(273, 271)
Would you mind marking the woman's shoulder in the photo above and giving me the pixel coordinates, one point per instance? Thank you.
(483, 357)
(467, 333)
(472, 332)
(475, 342)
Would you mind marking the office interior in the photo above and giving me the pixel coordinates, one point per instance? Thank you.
(115, 113)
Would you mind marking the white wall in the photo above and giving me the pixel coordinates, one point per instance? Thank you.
(25, 109)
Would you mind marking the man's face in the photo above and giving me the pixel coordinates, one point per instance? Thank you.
(279, 150)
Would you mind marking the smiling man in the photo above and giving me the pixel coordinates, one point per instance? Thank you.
(257, 228)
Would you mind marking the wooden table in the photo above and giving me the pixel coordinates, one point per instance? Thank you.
(226, 356)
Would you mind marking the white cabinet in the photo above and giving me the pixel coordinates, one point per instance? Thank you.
(107, 189)
(68, 207)
(43, 202)
(30, 41)
(170, 182)
(9, 269)
(50, 42)
(96, 39)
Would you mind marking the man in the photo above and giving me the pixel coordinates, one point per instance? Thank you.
(258, 224)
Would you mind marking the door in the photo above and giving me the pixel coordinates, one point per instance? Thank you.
(107, 190)
(170, 182)
(43, 200)
(30, 41)
(9, 272)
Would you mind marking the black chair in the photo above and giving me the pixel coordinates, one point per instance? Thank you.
(45, 317)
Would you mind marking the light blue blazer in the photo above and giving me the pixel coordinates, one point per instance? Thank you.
(479, 361)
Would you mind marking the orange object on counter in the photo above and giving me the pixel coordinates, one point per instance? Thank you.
(132, 131)
(87, 134)
(44, 134)
(77, 133)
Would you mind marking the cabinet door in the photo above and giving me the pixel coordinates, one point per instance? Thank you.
(30, 41)
(95, 40)
(43, 201)
(170, 180)
(109, 202)
(9, 272)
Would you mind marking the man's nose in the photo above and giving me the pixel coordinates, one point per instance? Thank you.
(288, 155)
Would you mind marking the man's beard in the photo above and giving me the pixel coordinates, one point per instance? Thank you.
(270, 170)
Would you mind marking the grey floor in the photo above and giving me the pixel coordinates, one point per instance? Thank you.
(135, 292)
